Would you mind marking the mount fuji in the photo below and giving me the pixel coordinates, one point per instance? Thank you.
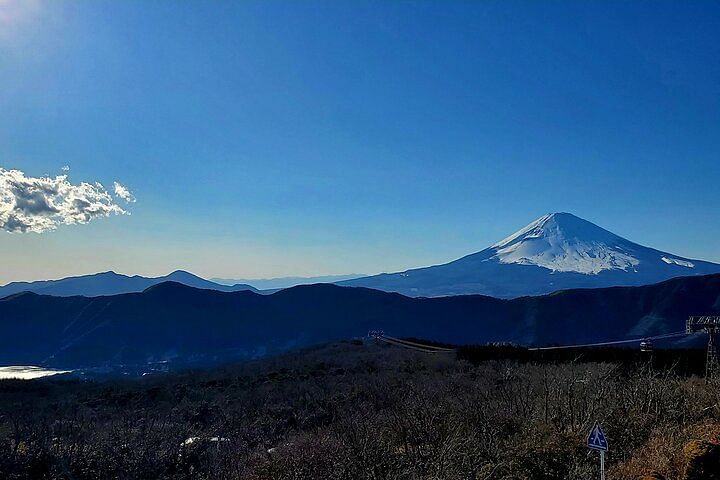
(558, 251)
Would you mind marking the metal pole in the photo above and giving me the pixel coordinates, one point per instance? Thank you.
(711, 364)
(602, 464)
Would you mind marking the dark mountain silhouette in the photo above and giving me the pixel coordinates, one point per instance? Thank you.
(111, 283)
(171, 320)
(557, 251)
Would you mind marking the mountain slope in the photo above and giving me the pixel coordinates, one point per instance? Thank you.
(171, 320)
(555, 252)
(111, 283)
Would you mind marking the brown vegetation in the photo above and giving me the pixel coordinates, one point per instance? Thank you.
(363, 411)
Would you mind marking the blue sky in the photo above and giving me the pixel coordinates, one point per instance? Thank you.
(300, 138)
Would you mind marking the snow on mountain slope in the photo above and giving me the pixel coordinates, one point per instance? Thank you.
(555, 252)
(675, 261)
(565, 243)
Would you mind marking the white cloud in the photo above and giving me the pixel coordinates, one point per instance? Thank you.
(65, 168)
(123, 193)
(40, 204)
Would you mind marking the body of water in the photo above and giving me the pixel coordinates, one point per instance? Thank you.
(26, 372)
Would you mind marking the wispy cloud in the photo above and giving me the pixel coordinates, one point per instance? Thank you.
(123, 193)
(40, 204)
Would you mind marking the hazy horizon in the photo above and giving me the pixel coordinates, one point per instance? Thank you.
(280, 281)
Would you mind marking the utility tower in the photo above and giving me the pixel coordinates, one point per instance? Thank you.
(711, 326)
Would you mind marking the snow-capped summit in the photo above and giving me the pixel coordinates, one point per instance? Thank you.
(555, 252)
(562, 242)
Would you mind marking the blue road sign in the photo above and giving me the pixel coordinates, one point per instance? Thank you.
(596, 440)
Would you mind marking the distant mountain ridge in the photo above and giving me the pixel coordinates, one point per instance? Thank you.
(557, 251)
(286, 282)
(173, 321)
(111, 283)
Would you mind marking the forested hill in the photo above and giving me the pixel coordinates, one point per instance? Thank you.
(170, 320)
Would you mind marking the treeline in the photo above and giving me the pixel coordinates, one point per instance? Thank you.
(683, 362)
(358, 410)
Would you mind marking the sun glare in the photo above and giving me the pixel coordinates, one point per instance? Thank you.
(14, 13)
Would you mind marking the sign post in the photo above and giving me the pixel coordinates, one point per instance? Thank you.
(596, 441)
